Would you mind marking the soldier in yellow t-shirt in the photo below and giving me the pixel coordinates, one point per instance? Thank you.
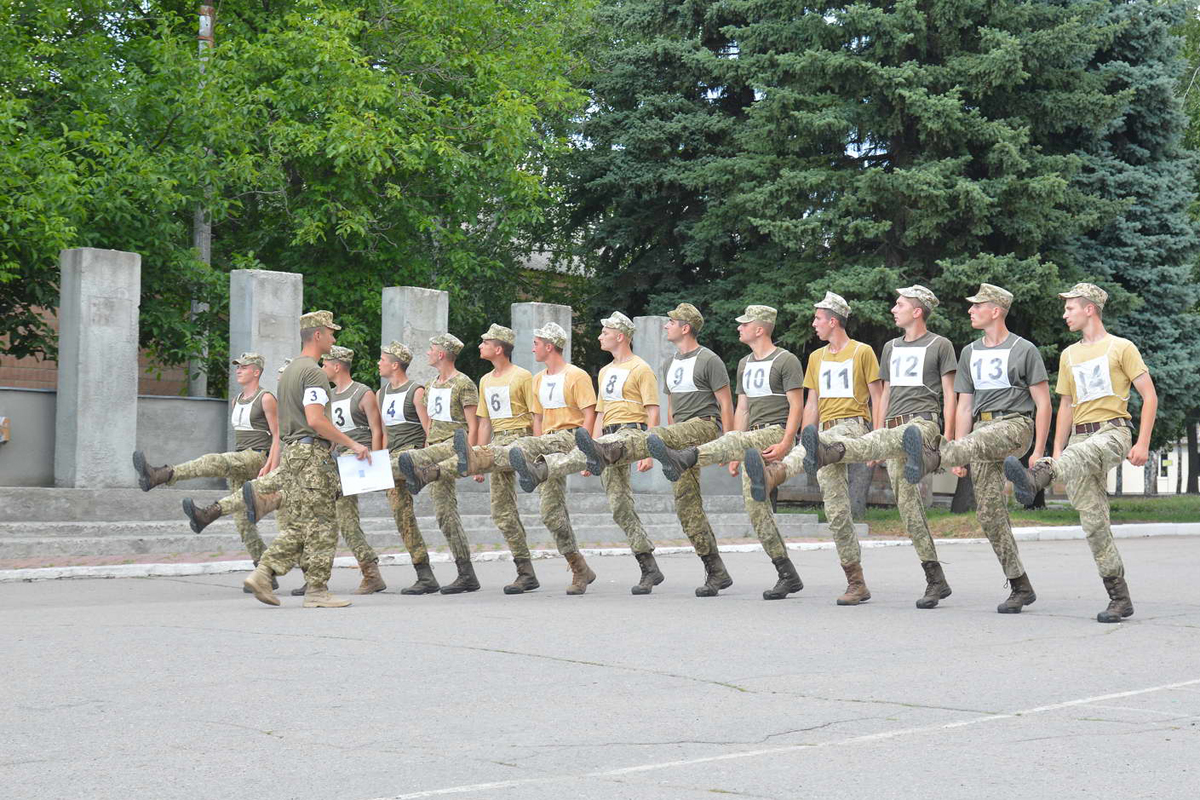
(1094, 432)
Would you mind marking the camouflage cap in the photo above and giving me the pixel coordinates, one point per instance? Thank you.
(250, 360)
(919, 293)
(339, 353)
(1088, 291)
(618, 322)
(500, 334)
(686, 312)
(398, 350)
(992, 294)
(758, 314)
(318, 319)
(835, 303)
(448, 342)
(553, 333)
(284, 365)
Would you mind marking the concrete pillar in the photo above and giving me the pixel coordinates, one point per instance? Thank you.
(650, 343)
(528, 317)
(264, 318)
(96, 409)
(413, 315)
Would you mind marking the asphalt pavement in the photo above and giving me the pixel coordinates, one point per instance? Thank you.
(187, 688)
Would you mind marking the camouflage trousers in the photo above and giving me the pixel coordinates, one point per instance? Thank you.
(984, 449)
(405, 516)
(886, 444)
(350, 527)
(237, 468)
(502, 489)
(731, 447)
(445, 502)
(1083, 467)
(835, 487)
(309, 537)
(553, 492)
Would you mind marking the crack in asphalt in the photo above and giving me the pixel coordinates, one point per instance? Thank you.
(725, 743)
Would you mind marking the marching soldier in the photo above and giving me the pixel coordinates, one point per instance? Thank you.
(1003, 406)
(1094, 432)
(769, 407)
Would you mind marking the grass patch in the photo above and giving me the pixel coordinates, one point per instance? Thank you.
(885, 520)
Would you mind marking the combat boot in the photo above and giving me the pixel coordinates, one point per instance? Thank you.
(274, 582)
(526, 581)
(200, 518)
(674, 462)
(788, 583)
(258, 506)
(466, 580)
(148, 476)
(1120, 606)
(531, 472)
(581, 573)
(319, 597)
(372, 581)
(920, 458)
(1022, 595)
(416, 476)
(599, 454)
(764, 476)
(651, 577)
(716, 576)
(300, 590)
(936, 587)
(426, 582)
(817, 454)
(1028, 482)
(856, 588)
(260, 585)
(471, 460)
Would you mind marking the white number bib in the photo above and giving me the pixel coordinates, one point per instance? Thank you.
(756, 378)
(341, 415)
(551, 391)
(836, 379)
(1093, 379)
(499, 405)
(315, 396)
(612, 389)
(989, 369)
(906, 366)
(241, 416)
(438, 404)
(681, 377)
(393, 412)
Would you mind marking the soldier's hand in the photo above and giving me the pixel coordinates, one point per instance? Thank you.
(960, 471)
(733, 468)
(645, 464)
(586, 474)
(872, 464)
(1139, 454)
(479, 479)
(776, 451)
(361, 451)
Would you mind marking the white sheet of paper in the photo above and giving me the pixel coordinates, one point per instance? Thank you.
(359, 476)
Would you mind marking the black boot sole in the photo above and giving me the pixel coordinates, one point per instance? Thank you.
(409, 470)
(1023, 489)
(520, 465)
(810, 440)
(756, 471)
(248, 502)
(914, 446)
(587, 445)
(139, 465)
(672, 469)
(461, 449)
(413, 590)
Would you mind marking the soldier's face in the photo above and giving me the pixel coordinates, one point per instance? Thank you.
(328, 368)
(982, 314)
(902, 312)
(326, 339)
(433, 354)
(243, 373)
(385, 367)
(823, 325)
(541, 349)
(609, 339)
(674, 329)
(747, 332)
(489, 350)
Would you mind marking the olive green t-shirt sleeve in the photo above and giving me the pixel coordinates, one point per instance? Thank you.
(714, 373)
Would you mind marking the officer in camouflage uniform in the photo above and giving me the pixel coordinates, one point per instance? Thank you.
(1094, 432)
(255, 420)
(628, 404)
(309, 475)
(769, 407)
(402, 405)
(918, 390)
(562, 400)
(450, 402)
(1003, 405)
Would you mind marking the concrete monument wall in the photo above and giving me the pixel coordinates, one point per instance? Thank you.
(412, 315)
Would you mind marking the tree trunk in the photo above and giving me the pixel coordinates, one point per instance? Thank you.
(1178, 458)
(964, 496)
(1193, 457)
(1151, 476)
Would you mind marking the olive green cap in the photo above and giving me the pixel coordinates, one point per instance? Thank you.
(448, 342)
(758, 314)
(686, 312)
(992, 294)
(398, 350)
(919, 293)
(500, 334)
(250, 360)
(318, 319)
(835, 303)
(618, 322)
(553, 333)
(1088, 291)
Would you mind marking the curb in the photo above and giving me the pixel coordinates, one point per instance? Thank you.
(1032, 534)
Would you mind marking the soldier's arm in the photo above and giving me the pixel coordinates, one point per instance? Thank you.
(589, 417)
(795, 411)
(964, 418)
(725, 402)
(741, 422)
(370, 405)
(670, 416)
(1066, 420)
(949, 400)
(1139, 454)
(314, 414)
(1041, 421)
(472, 425)
(651, 416)
(422, 411)
(811, 414)
(379, 403)
(536, 424)
(875, 390)
(271, 412)
(879, 409)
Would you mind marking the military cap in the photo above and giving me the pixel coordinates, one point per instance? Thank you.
(758, 314)
(339, 353)
(618, 322)
(284, 365)
(686, 312)
(835, 303)
(448, 342)
(553, 333)
(318, 319)
(250, 360)
(992, 294)
(1088, 291)
(398, 350)
(500, 334)
(919, 293)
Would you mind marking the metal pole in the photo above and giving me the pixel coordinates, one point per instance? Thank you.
(201, 225)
